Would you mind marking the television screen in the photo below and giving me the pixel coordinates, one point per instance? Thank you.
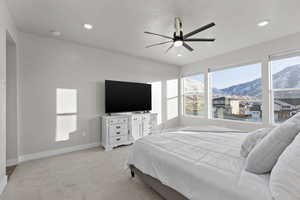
(127, 96)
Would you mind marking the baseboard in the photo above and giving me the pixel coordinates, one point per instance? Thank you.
(50, 153)
(3, 183)
(11, 162)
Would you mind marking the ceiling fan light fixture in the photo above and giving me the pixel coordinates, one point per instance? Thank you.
(178, 43)
(179, 39)
(88, 26)
(263, 23)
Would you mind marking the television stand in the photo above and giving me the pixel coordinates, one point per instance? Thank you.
(124, 129)
(137, 112)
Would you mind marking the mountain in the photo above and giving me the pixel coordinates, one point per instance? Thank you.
(287, 78)
(217, 91)
(252, 88)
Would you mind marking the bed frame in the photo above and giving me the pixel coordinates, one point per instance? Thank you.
(165, 191)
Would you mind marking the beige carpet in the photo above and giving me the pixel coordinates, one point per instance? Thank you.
(84, 175)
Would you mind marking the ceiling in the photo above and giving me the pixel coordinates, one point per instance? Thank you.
(119, 24)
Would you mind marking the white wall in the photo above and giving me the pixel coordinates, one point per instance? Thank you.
(253, 54)
(11, 105)
(2, 109)
(47, 64)
(6, 25)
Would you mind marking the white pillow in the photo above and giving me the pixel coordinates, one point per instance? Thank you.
(265, 155)
(285, 176)
(252, 140)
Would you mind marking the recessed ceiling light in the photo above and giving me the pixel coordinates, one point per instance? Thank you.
(55, 33)
(263, 23)
(88, 26)
(179, 55)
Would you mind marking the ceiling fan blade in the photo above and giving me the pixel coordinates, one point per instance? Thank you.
(200, 40)
(188, 46)
(169, 48)
(199, 30)
(152, 45)
(164, 36)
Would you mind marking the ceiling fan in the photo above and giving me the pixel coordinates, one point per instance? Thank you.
(179, 39)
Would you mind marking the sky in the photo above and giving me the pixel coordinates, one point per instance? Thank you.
(233, 76)
(279, 65)
(198, 77)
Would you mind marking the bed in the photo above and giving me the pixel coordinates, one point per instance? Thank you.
(197, 163)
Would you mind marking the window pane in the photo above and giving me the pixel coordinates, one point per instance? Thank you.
(193, 95)
(172, 108)
(193, 84)
(156, 100)
(237, 93)
(172, 88)
(64, 126)
(194, 104)
(286, 104)
(285, 73)
(66, 101)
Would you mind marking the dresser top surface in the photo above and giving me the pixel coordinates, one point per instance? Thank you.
(126, 115)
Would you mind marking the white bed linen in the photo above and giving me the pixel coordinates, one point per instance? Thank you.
(208, 128)
(200, 165)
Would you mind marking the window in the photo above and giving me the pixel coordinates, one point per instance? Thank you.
(236, 93)
(193, 95)
(285, 87)
(172, 99)
(156, 100)
(66, 113)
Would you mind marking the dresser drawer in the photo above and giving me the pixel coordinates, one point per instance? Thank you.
(119, 139)
(118, 127)
(115, 133)
(118, 121)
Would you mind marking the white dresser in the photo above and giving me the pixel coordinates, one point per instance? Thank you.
(124, 129)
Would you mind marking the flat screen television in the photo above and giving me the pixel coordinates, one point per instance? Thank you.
(127, 96)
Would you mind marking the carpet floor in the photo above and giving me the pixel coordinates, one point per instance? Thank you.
(92, 174)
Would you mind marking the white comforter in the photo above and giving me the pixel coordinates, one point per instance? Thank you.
(200, 165)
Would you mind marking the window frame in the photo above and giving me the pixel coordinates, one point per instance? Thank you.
(160, 113)
(210, 94)
(62, 114)
(205, 91)
(68, 113)
(171, 98)
(272, 90)
(267, 90)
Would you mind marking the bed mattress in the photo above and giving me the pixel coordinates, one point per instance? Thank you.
(200, 165)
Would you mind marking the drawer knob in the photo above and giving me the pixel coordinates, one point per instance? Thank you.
(118, 126)
(117, 133)
(118, 139)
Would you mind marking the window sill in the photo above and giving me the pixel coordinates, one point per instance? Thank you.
(195, 116)
(237, 121)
